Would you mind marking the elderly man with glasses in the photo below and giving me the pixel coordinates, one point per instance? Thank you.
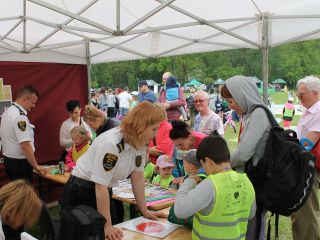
(306, 221)
(206, 121)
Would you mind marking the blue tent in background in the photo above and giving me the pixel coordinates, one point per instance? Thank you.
(193, 82)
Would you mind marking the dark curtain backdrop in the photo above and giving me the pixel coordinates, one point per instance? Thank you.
(56, 83)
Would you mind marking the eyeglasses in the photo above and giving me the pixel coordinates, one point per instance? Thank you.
(300, 94)
(198, 101)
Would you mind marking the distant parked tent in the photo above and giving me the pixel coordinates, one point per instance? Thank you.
(257, 81)
(279, 81)
(219, 81)
(194, 82)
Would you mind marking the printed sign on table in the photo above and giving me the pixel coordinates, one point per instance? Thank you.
(150, 227)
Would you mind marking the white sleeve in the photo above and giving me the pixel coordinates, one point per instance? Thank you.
(143, 162)
(104, 161)
(22, 128)
(192, 198)
(64, 142)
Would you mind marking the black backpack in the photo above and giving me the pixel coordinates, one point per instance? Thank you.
(81, 223)
(283, 177)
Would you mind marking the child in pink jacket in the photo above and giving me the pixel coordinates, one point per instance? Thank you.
(80, 140)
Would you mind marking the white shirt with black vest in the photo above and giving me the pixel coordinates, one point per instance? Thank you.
(109, 159)
(15, 129)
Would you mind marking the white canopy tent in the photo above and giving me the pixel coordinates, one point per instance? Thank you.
(95, 31)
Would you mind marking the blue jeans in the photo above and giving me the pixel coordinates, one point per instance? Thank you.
(123, 111)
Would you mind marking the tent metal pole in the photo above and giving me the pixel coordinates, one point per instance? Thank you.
(88, 70)
(106, 44)
(109, 48)
(9, 18)
(13, 28)
(202, 39)
(65, 23)
(118, 16)
(265, 56)
(72, 15)
(206, 22)
(297, 38)
(294, 16)
(62, 26)
(24, 26)
(148, 15)
(189, 24)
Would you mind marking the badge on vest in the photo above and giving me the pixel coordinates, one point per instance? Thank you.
(22, 125)
(138, 160)
(109, 161)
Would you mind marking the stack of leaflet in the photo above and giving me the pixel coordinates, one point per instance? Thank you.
(157, 194)
(154, 194)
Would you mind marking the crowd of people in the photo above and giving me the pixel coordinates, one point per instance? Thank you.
(150, 138)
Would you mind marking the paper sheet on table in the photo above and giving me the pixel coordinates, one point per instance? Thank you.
(125, 195)
(150, 227)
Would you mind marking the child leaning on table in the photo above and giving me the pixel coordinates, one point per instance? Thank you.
(219, 201)
(164, 166)
(192, 167)
(80, 144)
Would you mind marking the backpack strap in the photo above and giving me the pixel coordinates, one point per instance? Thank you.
(270, 116)
(276, 227)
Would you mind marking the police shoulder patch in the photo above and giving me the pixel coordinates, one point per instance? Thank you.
(22, 125)
(109, 161)
(138, 160)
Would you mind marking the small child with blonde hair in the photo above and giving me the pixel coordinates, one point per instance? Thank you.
(80, 139)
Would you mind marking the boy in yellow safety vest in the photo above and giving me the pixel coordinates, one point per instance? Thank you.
(223, 202)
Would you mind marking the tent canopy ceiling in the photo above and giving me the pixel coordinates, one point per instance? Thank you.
(116, 30)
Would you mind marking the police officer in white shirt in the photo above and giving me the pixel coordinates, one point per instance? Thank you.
(17, 136)
(113, 156)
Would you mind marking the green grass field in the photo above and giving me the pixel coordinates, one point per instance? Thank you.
(232, 138)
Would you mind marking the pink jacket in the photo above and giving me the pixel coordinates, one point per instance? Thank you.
(163, 141)
(173, 112)
(70, 162)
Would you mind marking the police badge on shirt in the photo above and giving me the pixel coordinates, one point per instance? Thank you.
(22, 125)
(109, 161)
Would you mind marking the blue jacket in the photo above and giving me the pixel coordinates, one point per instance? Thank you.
(148, 96)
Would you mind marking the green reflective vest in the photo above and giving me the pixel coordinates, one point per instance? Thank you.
(164, 182)
(288, 112)
(230, 214)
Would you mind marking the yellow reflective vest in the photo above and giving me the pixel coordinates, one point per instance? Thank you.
(234, 195)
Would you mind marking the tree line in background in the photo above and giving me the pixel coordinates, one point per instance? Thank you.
(290, 62)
